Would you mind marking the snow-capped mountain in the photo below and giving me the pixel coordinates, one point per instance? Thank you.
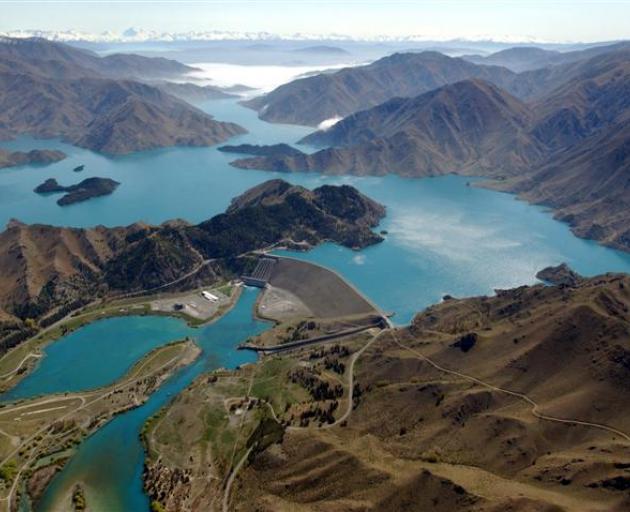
(137, 35)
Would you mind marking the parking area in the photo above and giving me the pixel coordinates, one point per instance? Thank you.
(192, 304)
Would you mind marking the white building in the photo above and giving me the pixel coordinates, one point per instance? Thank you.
(208, 296)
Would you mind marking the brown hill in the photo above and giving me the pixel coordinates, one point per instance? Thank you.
(49, 269)
(594, 96)
(48, 54)
(35, 156)
(104, 115)
(452, 443)
(512, 402)
(470, 127)
(53, 90)
(314, 99)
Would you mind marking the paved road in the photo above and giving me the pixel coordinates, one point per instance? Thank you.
(16, 369)
(228, 486)
(284, 347)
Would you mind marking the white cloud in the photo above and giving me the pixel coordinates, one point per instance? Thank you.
(261, 78)
(139, 35)
(329, 123)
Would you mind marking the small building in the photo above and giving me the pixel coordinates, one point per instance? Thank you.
(209, 296)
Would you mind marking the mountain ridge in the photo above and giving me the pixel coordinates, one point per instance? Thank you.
(46, 269)
(567, 149)
(317, 98)
(63, 98)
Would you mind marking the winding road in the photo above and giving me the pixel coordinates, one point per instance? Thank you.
(350, 385)
(36, 355)
(535, 406)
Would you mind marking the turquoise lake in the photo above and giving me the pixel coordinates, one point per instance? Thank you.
(110, 462)
(444, 237)
(98, 354)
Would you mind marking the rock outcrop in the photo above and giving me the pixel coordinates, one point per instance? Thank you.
(83, 191)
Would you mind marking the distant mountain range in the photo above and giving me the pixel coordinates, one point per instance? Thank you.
(335, 50)
(314, 99)
(565, 143)
(136, 35)
(527, 58)
(53, 90)
(320, 97)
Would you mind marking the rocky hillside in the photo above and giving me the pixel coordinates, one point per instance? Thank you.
(512, 402)
(311, 100)
(587, 185)
(51, 54)
(35, 156)
(567, 149)
(585, 124)
(53, 90)
(471, 126)
(45, 268)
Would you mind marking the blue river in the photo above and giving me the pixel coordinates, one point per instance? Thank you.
(444, 236)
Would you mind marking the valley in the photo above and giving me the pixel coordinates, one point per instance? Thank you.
(360, 317)
(556, 136)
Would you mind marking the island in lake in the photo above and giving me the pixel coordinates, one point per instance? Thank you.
(86, 189)
(267, 151)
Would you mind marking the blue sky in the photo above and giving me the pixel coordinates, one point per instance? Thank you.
(557, 20)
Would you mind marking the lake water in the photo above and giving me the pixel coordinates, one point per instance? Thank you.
(443, 237)
(110, 463)
(97, 354)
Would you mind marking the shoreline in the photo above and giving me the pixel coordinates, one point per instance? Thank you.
(57, 455)
(87, 316)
